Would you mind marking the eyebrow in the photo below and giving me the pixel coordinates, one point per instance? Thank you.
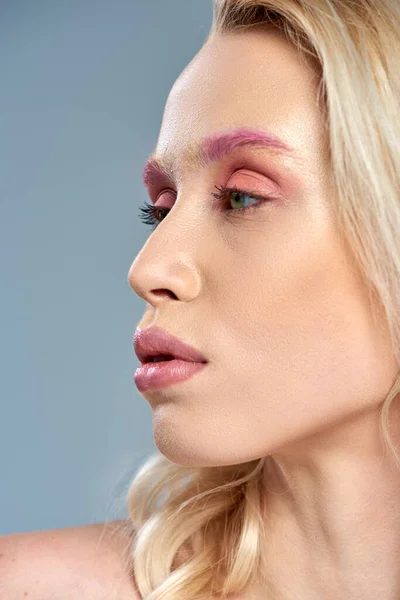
(210, 149)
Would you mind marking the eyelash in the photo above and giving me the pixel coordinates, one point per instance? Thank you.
(149, 211)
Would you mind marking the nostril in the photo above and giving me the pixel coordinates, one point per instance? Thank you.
(166, 293)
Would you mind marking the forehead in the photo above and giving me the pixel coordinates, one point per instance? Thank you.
(253, 80)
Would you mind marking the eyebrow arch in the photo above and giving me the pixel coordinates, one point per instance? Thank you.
(211, 149)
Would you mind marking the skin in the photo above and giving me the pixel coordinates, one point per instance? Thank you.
(297, 368)
(74, 563)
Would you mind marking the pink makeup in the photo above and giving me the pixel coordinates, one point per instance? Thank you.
(153, 376)
(159, 172)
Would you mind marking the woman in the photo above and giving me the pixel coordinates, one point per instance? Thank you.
(274, 259)
(274, 252)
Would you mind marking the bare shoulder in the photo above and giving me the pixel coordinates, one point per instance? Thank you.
(86, 563)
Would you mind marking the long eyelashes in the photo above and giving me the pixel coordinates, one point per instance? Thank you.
(149, 212)
(153, 215)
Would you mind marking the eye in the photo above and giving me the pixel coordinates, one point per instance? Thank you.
(236, 196)
(153, 215)
(150, 214)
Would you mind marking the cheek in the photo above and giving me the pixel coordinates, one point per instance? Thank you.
(296, 327)
(290, 304)
(281, 277)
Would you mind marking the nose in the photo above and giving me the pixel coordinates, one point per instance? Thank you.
(167, 266)
(157, 276)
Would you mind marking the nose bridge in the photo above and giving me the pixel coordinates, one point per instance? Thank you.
(168, 260)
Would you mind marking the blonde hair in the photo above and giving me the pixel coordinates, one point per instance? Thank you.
(199, 531)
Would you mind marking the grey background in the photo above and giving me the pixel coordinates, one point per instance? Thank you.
(83, 84)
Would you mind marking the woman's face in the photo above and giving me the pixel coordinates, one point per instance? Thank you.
(270, 296)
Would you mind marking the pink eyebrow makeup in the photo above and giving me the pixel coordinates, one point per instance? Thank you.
(216, 146)
(159, 170)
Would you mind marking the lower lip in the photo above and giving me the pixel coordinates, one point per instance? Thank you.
(159, 375)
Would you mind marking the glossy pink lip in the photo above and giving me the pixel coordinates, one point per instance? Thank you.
(154, 341)
(153, 376)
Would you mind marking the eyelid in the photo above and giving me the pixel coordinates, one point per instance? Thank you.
(163, 192)
(258, 184)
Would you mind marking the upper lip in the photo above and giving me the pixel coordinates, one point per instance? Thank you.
(154, 341)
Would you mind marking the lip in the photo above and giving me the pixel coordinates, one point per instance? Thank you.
(153, 376)
(153, 341)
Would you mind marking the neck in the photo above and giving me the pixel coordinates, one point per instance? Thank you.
(333, 515)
